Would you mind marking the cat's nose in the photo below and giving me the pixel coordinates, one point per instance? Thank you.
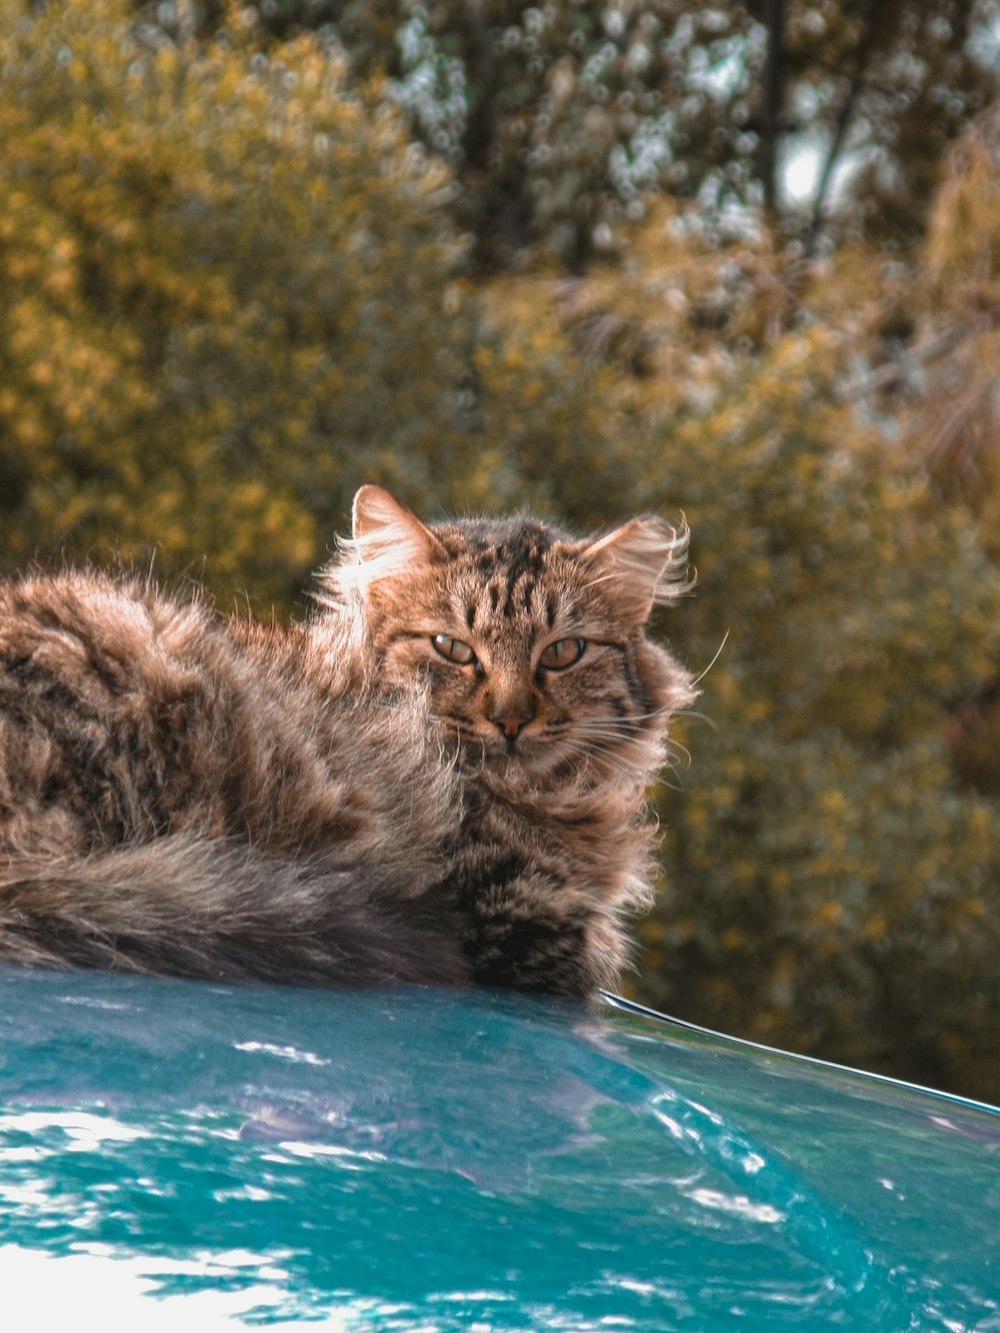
(512, 720)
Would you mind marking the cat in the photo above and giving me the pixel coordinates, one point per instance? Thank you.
(438, 777)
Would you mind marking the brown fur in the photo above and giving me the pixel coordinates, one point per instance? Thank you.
(337, 801)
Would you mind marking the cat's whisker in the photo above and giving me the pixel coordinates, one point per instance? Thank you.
(698, 717)
(608, 741)
(718, 653)
(665, 712)
(622, 732)
(587, 742)
(596, 734)
(620, 728)
(676, 750)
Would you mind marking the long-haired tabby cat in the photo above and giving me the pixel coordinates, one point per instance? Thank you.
(440, 777)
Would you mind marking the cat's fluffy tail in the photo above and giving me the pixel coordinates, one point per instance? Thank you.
(193, 907)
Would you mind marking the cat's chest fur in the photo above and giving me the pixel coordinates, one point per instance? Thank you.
(439, 777)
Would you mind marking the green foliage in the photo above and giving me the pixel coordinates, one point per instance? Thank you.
(833, 901)
(555, 117)
(227, 298)
(828, 884)
(559, 117)
(957, 427)
(228, 294)
(827, 888)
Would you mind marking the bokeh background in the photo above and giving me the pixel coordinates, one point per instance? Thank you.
(735, 260)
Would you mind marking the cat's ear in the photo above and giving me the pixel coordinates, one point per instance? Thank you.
(381, 524)
(640, 564)
(387, 538)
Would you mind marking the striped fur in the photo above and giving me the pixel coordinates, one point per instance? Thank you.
(340, 801)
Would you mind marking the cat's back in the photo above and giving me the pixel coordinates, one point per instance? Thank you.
(126, 715)
(98, 637)
(107, 689)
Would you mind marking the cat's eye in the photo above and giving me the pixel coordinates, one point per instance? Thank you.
(453, 650)
(562, 653)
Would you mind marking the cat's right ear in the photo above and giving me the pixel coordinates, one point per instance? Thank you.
(387, 538)
(384, 529)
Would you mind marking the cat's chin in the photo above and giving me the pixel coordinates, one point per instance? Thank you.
(538, 758)
(528, 755)
(532, 758)
(535, 761)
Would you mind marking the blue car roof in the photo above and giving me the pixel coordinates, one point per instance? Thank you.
(436, 1160)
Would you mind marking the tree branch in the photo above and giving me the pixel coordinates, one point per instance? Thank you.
(841, 127)
(774, 94)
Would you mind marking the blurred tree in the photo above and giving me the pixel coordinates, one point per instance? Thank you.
(868, 94)
(227, 298)
(228, 294)
(947, 383)
(559, 117)
(827, 887)
(948, 380)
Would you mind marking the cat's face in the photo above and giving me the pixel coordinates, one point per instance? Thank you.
(530, 643)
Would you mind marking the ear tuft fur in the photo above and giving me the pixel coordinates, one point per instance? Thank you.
(643, 563)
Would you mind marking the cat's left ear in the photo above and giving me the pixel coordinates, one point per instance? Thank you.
(641, 564)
